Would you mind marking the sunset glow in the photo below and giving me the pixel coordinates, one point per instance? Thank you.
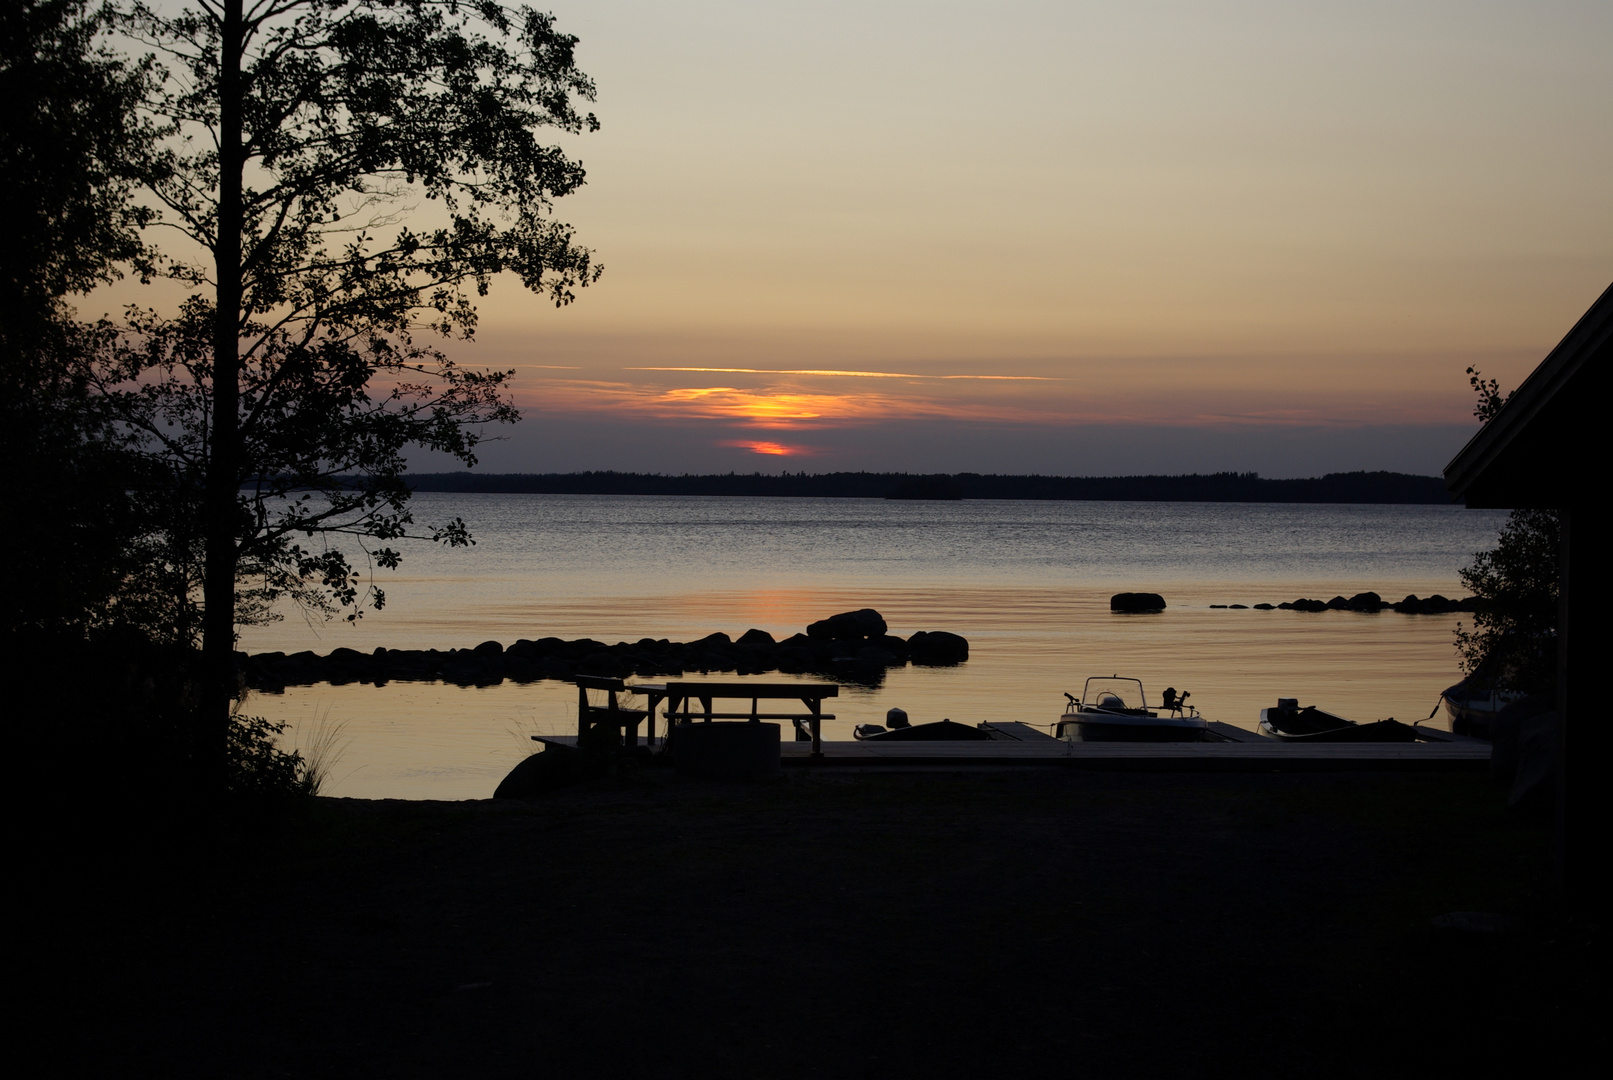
(1162, 236)
(849, 374)
(771, 449)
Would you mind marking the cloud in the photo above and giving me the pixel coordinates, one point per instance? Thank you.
(832, 373)
(767, 407)
(771, 449)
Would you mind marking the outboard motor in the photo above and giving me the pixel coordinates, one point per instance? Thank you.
(896, 718)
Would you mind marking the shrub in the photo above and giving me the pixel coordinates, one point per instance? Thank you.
(1513, 641)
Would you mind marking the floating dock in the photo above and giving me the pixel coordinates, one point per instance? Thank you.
(1267, 755)
(1240, 751)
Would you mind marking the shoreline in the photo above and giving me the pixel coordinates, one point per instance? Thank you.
(943, 926)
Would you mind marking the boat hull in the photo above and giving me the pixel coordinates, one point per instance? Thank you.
(940, 731)
(1472, 711)
(1282, 724)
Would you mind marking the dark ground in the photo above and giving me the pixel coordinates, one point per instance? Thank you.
(858, 926)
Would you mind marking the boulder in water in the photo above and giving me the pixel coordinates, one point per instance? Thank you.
(937, 647)
(848, 626)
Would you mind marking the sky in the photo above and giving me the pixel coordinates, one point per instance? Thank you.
(1070, 238)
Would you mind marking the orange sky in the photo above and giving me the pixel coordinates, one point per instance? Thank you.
(1209, 215)
(1044, 221)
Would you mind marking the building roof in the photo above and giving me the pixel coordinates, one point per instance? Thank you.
(1522, 458)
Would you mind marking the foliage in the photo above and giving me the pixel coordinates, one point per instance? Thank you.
(1489, 396)
(1513, 639)
(185, 468)
(255, 763)
(68, 142)
(287, 389)
(70, 146)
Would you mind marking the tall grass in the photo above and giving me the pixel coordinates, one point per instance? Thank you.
(320, 751)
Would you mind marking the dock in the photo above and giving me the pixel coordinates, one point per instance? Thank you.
(1266, 755)
(1009, 744)
(1255, 754)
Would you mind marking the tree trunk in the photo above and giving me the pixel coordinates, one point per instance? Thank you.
(219, 509)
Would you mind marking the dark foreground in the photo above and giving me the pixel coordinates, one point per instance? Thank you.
(1088, 923)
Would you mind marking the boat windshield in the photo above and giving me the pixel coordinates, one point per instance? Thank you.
(1113, 693)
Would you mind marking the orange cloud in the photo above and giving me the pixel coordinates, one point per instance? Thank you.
(833, 373)
(770, 448)
(769, 407)
(779, 405)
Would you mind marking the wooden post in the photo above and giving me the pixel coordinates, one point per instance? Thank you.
(816, 705)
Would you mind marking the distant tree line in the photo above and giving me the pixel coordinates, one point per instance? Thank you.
(1350, 487)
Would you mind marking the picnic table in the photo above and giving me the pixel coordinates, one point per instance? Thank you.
(680, 699)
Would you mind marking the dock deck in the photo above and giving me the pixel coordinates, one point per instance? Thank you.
(1264, 755)
(1257, 754)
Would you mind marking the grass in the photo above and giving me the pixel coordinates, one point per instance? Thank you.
(321, 751)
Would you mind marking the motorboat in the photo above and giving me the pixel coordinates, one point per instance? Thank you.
(1115, 709)
(1290, 723)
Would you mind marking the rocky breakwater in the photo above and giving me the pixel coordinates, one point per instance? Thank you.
(852, 647)
(1370, 602)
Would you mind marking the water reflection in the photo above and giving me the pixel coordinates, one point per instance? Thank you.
(1027, 583)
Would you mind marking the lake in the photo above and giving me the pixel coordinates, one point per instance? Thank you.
(1028, 583)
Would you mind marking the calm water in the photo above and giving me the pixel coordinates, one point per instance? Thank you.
(1027, 583)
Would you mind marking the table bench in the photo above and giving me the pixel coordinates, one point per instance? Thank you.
(593, 720)
(680, 697)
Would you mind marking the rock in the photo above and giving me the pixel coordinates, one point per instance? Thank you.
(1434, 605)
(1338, 603)
(1239, 607)
(1266, 607)
(1366, 601)
(891, 643)
(937, 648)
(489, 648)
(1136, 603)
(756, 637)
(849, 625)
(553, 767)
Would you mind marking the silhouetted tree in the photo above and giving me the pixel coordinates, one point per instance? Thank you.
(295, 137)
(1514, 636)
(1489, 395)
(1513, 642)
(78, 554)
